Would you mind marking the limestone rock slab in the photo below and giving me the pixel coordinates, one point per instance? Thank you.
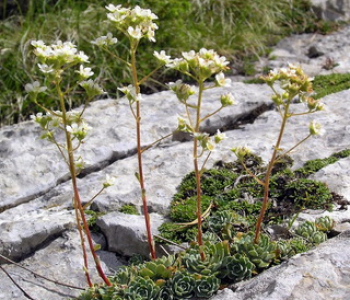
(126, 234)
(322, 273)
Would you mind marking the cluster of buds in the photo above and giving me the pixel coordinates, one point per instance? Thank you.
(182, 90)
(294, 82)
(207, 142)
(136, 23)
(201, 65)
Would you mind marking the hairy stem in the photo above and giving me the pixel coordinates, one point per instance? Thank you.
(139, 155)
(77, 201)
(198, 171)
(268, 174)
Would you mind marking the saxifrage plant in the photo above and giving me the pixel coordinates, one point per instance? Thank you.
(197, 271)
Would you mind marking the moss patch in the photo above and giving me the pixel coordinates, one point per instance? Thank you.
(329, 84)
(129, 209)
(236, 197)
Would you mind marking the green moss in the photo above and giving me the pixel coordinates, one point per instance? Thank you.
(177, 233)
(313, 166)
(185, 210)
(254, 81)
(129, 209)
(92, 218)
(306, 193)
(229, 188)
(329, 84)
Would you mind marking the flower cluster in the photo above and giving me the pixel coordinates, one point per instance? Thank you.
(208, 143)
(55, 56)
(294, 82)
(201, 65)
(136, 22)
(50, 122)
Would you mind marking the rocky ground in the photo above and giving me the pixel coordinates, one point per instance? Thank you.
(36, 217)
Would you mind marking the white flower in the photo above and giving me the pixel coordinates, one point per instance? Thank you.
(82, 57)
(116, 17)
(91, 88)
(189, 55)
(135, 33)
(38, 44)
(35, 88)
(126, 89)
(221, 80)
(37, 117)
(45, 68)
(219, 136)
(227, 100)
(107, 40)
(84, 72)
(161, 56)
(316, 129)
(178, 64)
(207, 54)
(113, 8)
(109, 181)
(78, 131)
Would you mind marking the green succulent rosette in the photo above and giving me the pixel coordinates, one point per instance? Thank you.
(237, 268)
(207, 286)
(183, 285)
(261, 254)
(143, 289)
(213, 257)
(324, 224)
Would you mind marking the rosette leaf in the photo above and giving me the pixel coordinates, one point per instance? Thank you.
(237, 268)
(156, 271)
(319, 237)
(284, 249)
(166, 293)
(214, 255)
(207, 286)
(324, 224)
(299, 245)
(306, 230)
(142, 288)
(309, 232)
(221, 220)
(125, 275)
(183, 285)
(261, 254)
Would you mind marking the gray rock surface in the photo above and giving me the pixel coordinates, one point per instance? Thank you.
(316, 53)
(36, 216)
(320, 274)
(332, 10)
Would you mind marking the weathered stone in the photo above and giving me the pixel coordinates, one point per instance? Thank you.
(332, 10)
(126, 234)
(332, 53)
(113, 138)
(322, 273)
(61, 260)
